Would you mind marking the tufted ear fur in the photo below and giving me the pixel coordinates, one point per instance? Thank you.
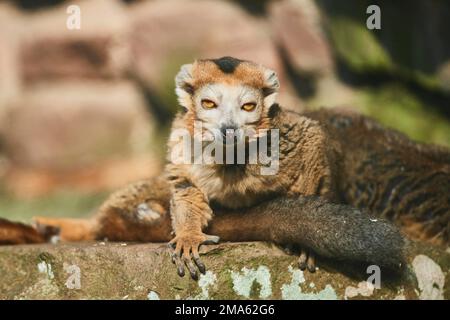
(271, 86)
(183, 85)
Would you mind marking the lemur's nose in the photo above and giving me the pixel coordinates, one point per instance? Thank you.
(227, 128)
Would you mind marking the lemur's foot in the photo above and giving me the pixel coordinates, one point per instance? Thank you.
(307, 261)
(184, 248)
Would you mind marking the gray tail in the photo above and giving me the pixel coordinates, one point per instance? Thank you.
(340, 232)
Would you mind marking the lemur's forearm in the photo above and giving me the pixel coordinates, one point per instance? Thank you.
(189, 207)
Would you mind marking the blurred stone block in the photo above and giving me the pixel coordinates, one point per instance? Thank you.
(49, 50)
(166, 34)
(109, 174)
(166, 30)
(297, 26)
(71, 125)
(9, 74)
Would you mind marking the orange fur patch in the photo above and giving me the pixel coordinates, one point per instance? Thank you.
(247, 73)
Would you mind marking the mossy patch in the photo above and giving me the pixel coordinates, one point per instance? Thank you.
(396, 107)
(358, 46)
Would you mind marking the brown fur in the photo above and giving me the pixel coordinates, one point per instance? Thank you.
(306, 161)
(327, 229)
(360, 139)
(337, 156)
(248, 73)
(19, 233)
(390, 175)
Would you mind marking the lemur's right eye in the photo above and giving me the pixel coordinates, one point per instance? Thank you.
(249, 106)
(208, 104)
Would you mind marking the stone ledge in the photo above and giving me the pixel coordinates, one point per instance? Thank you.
(235, 271)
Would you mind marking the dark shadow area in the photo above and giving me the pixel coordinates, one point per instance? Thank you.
(35, 4)
(155, 104)
(391, 278)
(436, 100)
(253, 7)
(414, 36)
(303, 83)
(359, 272)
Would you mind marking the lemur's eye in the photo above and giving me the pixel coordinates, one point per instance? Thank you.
(208, 104)
(249, 106)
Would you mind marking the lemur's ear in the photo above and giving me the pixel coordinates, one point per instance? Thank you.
(271, 86)
(183, 85)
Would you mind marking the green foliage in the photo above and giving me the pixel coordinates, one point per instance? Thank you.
(396, 107)
(166, 88)
(357, 45)
(61, 204)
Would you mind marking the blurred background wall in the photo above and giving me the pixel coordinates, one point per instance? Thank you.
(83, 112)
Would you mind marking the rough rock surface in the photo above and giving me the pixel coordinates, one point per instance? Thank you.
(98, 50)
(9, 79)
(236, 271)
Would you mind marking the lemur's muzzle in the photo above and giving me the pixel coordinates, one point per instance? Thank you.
(228, 131)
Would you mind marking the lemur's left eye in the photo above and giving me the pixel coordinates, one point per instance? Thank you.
(249, 106)
(208, 104)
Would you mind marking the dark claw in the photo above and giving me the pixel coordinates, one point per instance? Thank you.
(311, 268)
(311, 264)
(180, 271)
(200, 265)
(191, 268)
(176, 260)
(302, 261)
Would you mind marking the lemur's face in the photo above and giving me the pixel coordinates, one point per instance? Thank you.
(227, 93)
(221, 106)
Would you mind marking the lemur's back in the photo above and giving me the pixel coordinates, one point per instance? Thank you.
(392, 176)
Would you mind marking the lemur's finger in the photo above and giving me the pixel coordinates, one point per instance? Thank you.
(311, 264)
(175, 256)
(180, 267)
(188, 262)
(302, 260)
(171, 251)
(210, 239)
(198, 262)
(172, 243)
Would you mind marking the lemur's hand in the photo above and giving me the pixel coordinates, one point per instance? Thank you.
(184, 248)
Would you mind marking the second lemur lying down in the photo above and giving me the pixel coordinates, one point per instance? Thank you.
(140, 212)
